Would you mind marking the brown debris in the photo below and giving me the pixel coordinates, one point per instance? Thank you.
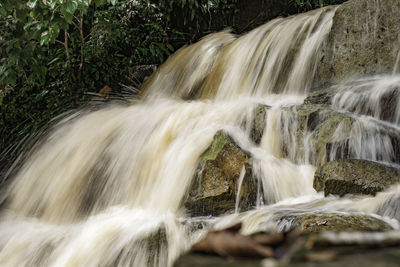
(229, 242)
(105, 91)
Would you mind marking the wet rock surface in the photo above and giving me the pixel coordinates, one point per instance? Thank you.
(354, 177)
(391, 207)
(214, 188)
(321, 96)
(323, 134)
(259, 122)
(336, 222)
(364, 39)
(387, 101)
(346, 257)
(199, 260)
(315, 128)
(308, 249)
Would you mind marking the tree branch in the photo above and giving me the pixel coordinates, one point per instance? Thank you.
(68, 55)
(82, 44)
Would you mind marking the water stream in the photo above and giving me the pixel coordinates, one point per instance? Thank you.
(105, 188)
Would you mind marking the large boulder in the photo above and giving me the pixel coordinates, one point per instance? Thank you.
(354, 176)
(364, 39)
(216, 184)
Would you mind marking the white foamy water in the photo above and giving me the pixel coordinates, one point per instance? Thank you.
(105, 188)
(370, 96)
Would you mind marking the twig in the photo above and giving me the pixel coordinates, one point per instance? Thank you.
(68, 55)
(82, 44)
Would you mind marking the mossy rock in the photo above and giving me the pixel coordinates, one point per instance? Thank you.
(216, 183)
(354, 176)
(335, 222)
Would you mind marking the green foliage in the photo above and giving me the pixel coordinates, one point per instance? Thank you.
(54, 51)
(306, 5)
(127, 34)
(40, 77)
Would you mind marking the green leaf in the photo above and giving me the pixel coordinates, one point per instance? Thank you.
(32, 4)
(170, 47)
(68, 17)
(3, 11)
(45, 38)
(69, 7)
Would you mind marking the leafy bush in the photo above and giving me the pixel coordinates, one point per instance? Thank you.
(306, 5)
(53, 52)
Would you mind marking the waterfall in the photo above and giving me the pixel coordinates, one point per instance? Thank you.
(105, 188)
(279, 57)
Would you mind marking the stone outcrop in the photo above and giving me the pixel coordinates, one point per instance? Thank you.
(387, 101)
(214, 188)
(315, 128)
(335, 222)
(321, 96)
(259, 123)
(364, 39)
(354, 177)
(317, 134)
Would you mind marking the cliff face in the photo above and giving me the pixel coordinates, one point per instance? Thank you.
(365, 39)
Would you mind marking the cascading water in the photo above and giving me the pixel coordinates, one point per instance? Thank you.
(104, 185)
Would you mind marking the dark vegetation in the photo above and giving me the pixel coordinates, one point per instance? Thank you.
(55, 54)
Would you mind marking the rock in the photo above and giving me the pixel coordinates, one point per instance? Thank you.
(259, 123)
(317, 134)
(322, 96)
(354, 177)
(314, 132)
(215, 185)
(199, 260)
(336, 222)
(365, 248)
(391, 207)
(155, 244)
(315, 128)
(364, 39)
(363, 97)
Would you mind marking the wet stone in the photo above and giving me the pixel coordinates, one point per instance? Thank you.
(216, 183)
(353, 176)
(336, 222)
(315, 130)
(259, 123)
